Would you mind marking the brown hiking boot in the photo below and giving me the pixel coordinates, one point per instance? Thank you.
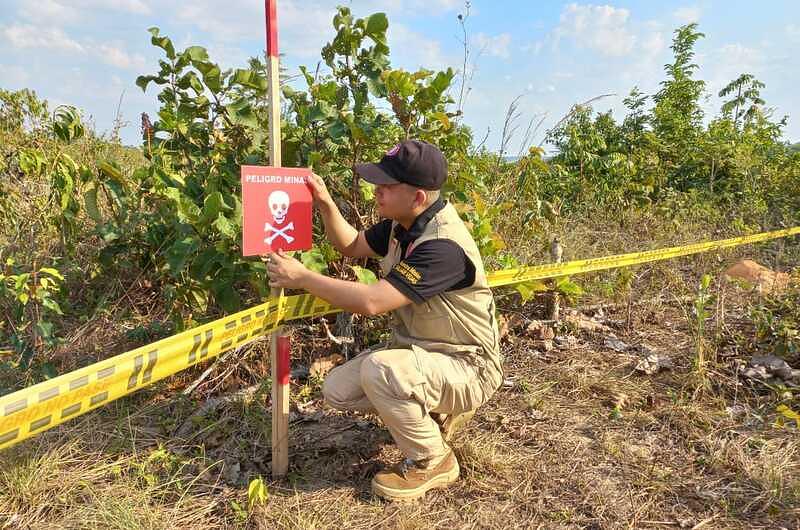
(450, 423)
(406, 480)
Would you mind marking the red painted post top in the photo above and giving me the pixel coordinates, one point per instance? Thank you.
(272, 27)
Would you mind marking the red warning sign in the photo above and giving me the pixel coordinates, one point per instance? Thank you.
(276, 204)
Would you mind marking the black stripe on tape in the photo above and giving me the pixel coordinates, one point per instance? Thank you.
(240, 338)
(50, 393)
(138, 362)
(230, 325)
(195, 347)
(102, 396)
(298, 305)
(309, 303)
(10, 435)
(209, 336)
(226, 345)
(79, 382)
(41, 422)
(152, 358)
(260, 313)
(11, 408)
(246, 319)
(72, 409)
(106, 372)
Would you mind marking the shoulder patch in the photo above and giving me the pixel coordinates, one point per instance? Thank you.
(408, 272)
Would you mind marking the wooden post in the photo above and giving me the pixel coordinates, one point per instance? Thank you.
(279, 344)
(556, 252)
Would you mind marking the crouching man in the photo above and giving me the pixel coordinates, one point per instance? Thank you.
(442, 361)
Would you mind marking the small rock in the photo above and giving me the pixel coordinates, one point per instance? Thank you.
(763, 367)
(543, 345)
(566, 341)
(586, 323)
(612, 342)
(509, 383)
(540, 331)
(653, 363)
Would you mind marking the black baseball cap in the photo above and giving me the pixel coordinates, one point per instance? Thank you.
(412, 162)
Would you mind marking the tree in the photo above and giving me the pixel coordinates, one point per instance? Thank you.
(677, 116)
(747, 89)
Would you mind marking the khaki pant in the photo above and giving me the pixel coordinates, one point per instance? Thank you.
(403, 386)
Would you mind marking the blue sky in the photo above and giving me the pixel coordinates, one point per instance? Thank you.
(89, 52)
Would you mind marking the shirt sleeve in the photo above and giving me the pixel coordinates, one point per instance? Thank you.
(378, 236)
(433, 267)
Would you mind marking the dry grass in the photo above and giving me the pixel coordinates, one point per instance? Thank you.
(580, 441)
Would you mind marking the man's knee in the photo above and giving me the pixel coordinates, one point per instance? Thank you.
(337, 390)
(387, 371)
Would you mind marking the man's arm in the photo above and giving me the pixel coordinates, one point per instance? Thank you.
(346, 239)
(373, 299)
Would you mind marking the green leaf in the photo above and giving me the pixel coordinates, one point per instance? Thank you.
(337, 129)
(365, 275)
(45, 329)
(568, 288)
(179, 253)
(376, 25)
(227, 297)
(196, 53)
(143, 80)
(48, 370)
(162, 42)
(211, 75)
(212, 205)
(527, 290)
(52, 305)
(257, 492)
(788, 413)
(314, 260)
(225, 226)
(90, 203)
(52, 272)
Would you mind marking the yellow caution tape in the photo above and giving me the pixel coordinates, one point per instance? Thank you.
(35, 409)
(554, 270)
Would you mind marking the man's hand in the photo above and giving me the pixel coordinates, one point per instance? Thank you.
(319, 192)
(286, 272)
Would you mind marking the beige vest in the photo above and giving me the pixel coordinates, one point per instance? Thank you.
(460, 322)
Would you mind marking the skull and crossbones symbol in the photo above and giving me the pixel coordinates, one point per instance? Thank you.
(279, 203)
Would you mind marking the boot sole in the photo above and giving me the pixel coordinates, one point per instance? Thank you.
(439, 481)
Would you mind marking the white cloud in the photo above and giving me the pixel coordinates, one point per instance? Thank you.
(47, 10)
(793, 31)
(137, 7)
(416, 50)
(496, 46)
(118, 57)
(688, 14)
(601, 28)
(654, 43)
(30, 36)
(69, 11)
